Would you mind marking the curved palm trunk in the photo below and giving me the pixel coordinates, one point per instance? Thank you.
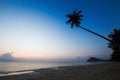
(95, 33)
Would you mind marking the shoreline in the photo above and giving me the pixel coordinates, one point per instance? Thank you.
(102, 71)
(20, 72)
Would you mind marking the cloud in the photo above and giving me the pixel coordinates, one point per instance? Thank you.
(6, 57)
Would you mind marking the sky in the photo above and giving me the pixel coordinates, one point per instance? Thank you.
(37, 29)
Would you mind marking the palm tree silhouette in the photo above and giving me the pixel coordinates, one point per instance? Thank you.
(75, 19)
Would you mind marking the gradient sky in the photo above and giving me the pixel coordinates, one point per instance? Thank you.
(37, 29)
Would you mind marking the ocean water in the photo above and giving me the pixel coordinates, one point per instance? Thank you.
(24, 67)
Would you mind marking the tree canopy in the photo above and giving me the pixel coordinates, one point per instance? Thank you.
(114, 44)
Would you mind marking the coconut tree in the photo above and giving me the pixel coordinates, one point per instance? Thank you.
(75, 19)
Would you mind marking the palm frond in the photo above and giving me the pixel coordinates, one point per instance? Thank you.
(74, 18)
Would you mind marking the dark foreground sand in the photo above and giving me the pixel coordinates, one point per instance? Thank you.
(103, 71)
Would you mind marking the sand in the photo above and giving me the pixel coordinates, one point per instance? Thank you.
(102, 71)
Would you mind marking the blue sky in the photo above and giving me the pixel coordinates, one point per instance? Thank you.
(37, 29)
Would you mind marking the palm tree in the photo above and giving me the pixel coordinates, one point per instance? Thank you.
(75, 19)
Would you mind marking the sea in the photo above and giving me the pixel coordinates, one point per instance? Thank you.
(13, 68)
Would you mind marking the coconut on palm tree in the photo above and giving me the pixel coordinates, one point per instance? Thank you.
(75, 19)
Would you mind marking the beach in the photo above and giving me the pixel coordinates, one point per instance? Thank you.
(101, 71)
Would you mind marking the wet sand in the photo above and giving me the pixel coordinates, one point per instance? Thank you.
(102, 71)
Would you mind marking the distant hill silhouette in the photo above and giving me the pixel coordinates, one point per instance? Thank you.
(94, 59)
